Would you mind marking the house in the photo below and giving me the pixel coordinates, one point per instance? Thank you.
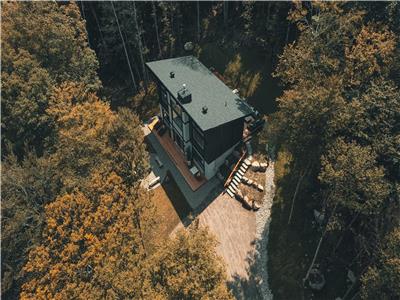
(203, 116)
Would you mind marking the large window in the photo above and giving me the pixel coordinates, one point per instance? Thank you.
(178, 140)
(164, 99)
(177, 114)
(197, 137)
(199, 161)
(165, 116)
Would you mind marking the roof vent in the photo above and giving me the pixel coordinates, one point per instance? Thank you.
(172, 74)
(184, 95)
(204, 109)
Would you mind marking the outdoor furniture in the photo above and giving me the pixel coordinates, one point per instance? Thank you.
(194, 170)
(154, 182)
(162, 130)
(158, 161)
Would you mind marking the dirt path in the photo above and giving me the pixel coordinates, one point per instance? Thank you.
(263, 220)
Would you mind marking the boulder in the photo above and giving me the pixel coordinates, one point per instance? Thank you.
(350, 276)
(256, 206)
(260, 187)
(316, 280)
(246, 202)
(319, 217)
(245, 179)
(255, 166)
(263, 167)
(239, 195)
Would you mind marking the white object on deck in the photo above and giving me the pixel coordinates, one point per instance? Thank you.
(154, 182)
(194, 170)
(158, 161)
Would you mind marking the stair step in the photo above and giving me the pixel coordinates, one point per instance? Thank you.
(236, 180)
(238, 176)
(240, 172)
(232, 190)
(230, 193)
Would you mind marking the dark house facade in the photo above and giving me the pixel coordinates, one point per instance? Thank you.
(203, 116)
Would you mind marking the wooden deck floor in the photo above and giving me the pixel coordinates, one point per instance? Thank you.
(235, 229)
(179, 159)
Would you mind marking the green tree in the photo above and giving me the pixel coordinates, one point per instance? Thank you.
(43, 45)
(353, 179)
(382, 281)
(237, 76)
(26, 186)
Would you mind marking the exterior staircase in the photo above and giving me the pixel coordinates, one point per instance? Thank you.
(232, 188)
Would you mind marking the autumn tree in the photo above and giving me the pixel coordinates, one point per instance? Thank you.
(43, 44)
(91, 245)
(92, 137)
(187, 267)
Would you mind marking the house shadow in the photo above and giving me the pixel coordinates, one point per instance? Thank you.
(187, 203)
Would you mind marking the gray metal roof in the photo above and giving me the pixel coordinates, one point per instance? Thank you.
(206, 89)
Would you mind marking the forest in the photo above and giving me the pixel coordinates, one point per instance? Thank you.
(75, 222)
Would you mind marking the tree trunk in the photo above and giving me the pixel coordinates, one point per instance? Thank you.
(156, 28)
(84, 18)
(139, 42)
(287, 33)
(268, 11)
(318, 247)
(295, 193)
(123, 44)
(347, 228)
(103, 42)
(226, 12)
(198, 21)
(131, 55)
(172, 34)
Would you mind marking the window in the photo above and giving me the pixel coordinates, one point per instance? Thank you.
(164, 99)
(198, 159)
(177, 114)
(178, 140)
(165, 116)
(197, 137)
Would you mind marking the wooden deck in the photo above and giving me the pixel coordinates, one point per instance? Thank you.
(179, 159)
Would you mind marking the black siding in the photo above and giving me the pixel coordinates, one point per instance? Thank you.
(221, 138)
